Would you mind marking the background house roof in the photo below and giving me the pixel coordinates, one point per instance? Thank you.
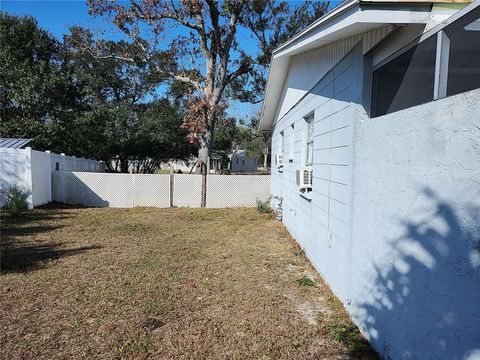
(350, 18)
(14, 143)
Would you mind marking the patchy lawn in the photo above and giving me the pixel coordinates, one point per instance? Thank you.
(164, 283)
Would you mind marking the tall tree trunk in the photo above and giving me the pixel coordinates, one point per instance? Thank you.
(123, 165)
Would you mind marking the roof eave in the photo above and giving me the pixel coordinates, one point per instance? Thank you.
(350, 14)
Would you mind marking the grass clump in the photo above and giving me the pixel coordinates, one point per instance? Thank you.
(339, 327)
(306, 281)
(264, 206)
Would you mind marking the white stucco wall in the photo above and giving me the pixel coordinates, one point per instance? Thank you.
(393, 224)
(415, 284)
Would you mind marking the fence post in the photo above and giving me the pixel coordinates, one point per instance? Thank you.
(61, 180)
(74, 161)
(172, 182)
(50, 194)
(28, 175)
(203, 201)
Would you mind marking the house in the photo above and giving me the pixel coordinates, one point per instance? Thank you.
(374, 111)
(241, 162)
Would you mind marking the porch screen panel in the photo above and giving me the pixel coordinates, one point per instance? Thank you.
(406, 81)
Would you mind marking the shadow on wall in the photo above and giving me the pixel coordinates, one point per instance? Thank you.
(429, 296)
(75, 191)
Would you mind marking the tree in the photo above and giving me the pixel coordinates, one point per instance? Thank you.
(38, 94)
(212, 42)
(259, 142)
(122, 111)
(158, 137)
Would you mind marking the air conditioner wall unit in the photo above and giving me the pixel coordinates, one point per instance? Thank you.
(279, 160)
(305, 178)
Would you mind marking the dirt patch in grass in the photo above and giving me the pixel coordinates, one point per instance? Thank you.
(174, 283)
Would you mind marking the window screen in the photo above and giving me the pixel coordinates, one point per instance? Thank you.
(464, 59)
(309, 141)
(406, 81)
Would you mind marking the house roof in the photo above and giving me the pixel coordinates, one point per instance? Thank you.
(14, 143)
(350, 18)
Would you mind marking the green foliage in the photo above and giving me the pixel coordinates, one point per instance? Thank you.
(38, 96)
(15, 200)
(306, 281)
(264, 206)
(69, 100)
(349, 335)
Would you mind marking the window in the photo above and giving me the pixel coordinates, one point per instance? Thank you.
(281, 150)
(309, 140)
(446, 62)
(463, 41)
(406, 81)
(292, 142)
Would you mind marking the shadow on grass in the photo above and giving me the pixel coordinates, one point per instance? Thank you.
(20, 252)
(27, 256)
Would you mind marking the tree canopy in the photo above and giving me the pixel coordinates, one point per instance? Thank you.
(134, 102)
(71, 101)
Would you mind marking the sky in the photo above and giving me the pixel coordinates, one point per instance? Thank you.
(57, 16)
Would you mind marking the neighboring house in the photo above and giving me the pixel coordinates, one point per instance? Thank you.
(240, 162)
(183, 166)
(375, 118)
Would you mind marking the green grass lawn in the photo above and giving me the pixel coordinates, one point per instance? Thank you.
(164, 283)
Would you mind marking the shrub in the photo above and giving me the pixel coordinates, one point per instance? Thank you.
(264, 206)
(15, 200)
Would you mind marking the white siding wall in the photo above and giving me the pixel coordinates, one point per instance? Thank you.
(393, 221)
(327, 216)
(308, 68)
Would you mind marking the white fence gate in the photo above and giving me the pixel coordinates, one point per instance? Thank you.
(157, 190)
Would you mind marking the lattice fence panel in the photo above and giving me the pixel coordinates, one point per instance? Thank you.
(94, 189)
(236, 190)
(187, 190)
(152, 190)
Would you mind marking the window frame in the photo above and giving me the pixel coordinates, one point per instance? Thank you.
(309, 141)
(291, 145)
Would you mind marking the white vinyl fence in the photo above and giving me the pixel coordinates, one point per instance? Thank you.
(157, 190)
(32, 171)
